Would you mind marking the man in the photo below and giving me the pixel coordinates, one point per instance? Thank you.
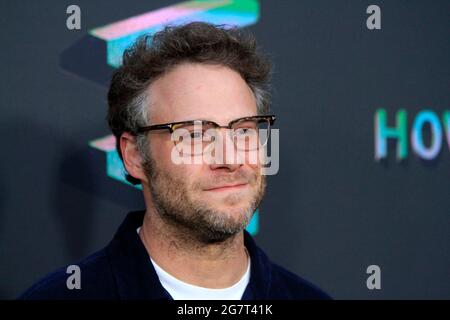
(172, 101)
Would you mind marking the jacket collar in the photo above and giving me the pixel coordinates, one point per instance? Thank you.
(136, 277)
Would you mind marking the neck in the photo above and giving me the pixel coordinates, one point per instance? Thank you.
(212, 265)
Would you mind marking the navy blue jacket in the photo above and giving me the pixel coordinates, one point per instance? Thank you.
(123, 270)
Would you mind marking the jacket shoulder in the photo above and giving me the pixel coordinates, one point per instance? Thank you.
(95, 278)
(287, 285)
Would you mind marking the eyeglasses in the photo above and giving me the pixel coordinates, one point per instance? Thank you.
(193, 137)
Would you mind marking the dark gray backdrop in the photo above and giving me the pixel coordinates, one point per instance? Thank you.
(330, 212)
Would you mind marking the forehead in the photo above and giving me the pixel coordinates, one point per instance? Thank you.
(200, 91)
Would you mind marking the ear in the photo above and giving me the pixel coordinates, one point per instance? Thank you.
(132, 159)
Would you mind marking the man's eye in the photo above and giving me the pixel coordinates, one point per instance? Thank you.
(244, 131)
(195, 135)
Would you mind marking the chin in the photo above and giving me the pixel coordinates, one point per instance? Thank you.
(234, 212)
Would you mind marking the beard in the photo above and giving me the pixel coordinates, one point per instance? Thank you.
(175, 202)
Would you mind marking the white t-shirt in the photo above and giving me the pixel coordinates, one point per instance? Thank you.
(180, 290)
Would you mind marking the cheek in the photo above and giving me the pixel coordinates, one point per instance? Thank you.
(253, 159)
(184, 173)
(161, 148)
(254, 167)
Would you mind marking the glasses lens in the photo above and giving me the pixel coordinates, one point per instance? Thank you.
(192, 138)
(251, 134)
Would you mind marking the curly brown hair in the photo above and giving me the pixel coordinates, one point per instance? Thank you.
(152, 56)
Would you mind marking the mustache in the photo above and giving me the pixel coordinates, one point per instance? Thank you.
(239, 177)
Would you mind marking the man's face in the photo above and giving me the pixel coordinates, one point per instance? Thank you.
(210, 201)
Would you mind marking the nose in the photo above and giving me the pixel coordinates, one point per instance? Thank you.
(225, 155)
(227, 167)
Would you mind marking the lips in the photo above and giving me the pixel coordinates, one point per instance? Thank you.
(227, 187)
